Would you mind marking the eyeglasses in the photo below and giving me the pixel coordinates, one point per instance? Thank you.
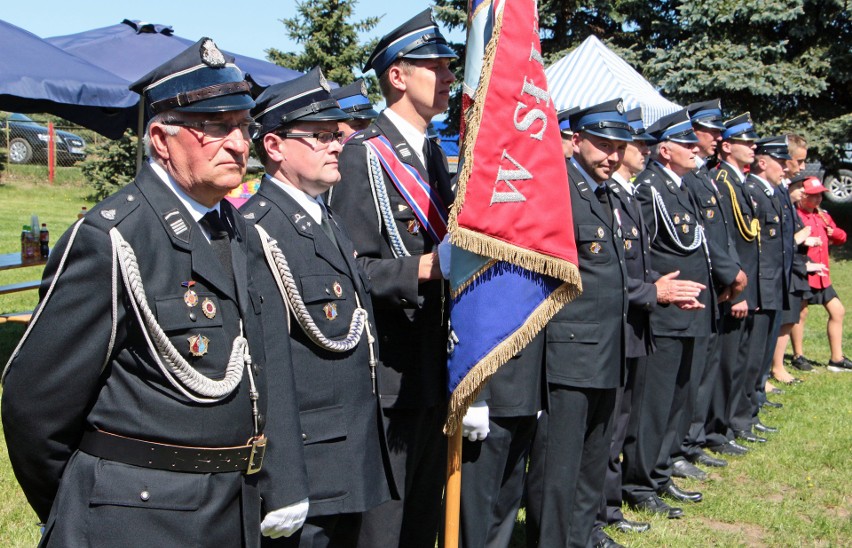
(322, 137)
(220, 130)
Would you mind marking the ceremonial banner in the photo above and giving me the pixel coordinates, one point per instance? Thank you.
(514, 264)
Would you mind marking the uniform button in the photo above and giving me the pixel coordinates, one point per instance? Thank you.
(144, 495)
(403, 301)
(327, 291)
(304, 436)
(261, 299)
(192, 316)
(571, 336)
(130, 198)
(260, 419)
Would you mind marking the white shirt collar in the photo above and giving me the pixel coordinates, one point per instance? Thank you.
(196, 210)
(674, 176)
(313, 206)
(765, 183)
(589, 180)
(411, 134)
(736, 171)
(623, 183)
(699, 162)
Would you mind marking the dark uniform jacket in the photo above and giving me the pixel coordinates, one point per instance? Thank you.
(642, 293)
(516, 389)
(728, 181)
(724, 260)
(70, 375)
(337, 404)
(772, 281)
(585, 339)
(411, 317)
(667, 256)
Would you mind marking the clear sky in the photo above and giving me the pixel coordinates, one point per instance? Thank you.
(247, 28)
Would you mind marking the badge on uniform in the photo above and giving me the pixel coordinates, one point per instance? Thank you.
(628, 245)
(595, 248)
(208, 307)
(710, 213)
(713, 200)
(676, 219)
(772, 232)
(414, 226)
(337, 288)
(600, 232)
(634, 232)
(776, 218)
(198, 345)
(330, 310)
(190, 297)
(685, 229)
(686, 217)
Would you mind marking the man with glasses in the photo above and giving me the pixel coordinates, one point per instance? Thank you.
(135, 405)
(661, 386)
(305, 267)
(393, 198)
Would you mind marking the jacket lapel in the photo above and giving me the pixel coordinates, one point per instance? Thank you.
(185, 233)
(586, 193)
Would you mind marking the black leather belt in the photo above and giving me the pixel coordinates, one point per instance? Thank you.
(147, 454)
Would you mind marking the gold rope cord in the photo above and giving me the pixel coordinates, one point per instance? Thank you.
(749, 231)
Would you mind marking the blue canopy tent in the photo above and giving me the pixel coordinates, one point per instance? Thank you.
(38, 77)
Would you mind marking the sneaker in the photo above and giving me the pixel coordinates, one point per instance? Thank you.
(838, 367)
(801, 363)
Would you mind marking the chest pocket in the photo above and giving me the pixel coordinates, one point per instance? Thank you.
(710, 210)
(594, 244)
(410, 230)
(185, 312)
(684, 224)
(771, 225)
(329, 302)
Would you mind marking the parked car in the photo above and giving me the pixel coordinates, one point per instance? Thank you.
(839, 182)
(28, 142)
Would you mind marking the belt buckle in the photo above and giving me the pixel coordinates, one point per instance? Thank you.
(258, 450)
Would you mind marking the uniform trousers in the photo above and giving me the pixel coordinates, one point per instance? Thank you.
(659, 396)
(768, 354)
(493, 477)
(567, 465)
(705, 375)
(334, 531)
(418, 456)
(610, 509)
(748, 404)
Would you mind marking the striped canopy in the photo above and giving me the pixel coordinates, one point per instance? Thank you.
(593, 73)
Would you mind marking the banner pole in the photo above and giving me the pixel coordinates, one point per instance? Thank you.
(453, 492)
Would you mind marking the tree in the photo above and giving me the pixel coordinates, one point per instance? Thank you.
(111, 166)
(330, 41)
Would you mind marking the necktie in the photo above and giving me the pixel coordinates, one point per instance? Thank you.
(603, 198)
(220, 239)
(325, 225)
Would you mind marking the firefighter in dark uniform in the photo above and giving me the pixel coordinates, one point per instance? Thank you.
(135, 405)
(762, 184)
(661, 386)
(397, 245)
(735, 152)
(728, 281)
(313, 287)
(354, 102)
(584, 346)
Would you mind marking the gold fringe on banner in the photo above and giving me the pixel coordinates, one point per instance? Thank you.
(469, 388)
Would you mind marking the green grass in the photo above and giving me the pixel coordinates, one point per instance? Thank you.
(793, 491)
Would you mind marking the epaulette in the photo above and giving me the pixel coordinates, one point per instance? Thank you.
(111, 211)
(722, 175)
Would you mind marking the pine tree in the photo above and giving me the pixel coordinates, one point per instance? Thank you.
(330, 41)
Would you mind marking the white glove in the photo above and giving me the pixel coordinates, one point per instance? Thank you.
(285, 521)
(475, 422)
(444, 255)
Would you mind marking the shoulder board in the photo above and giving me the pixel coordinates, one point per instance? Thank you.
(255, 208)
(114, 209)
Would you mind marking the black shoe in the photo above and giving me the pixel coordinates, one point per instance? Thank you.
(773, 405)
(731, 448)
(656, 505)
(678, 494)
(704, 459)
(627, 526)
(747, 435)
(685, 469)
(801, 363)
(763, 429)
(605, 541)
(844, 365)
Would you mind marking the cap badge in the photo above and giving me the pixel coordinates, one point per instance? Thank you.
(208, 308)
(337, 288)
(595, 248)
(198, 345)
(211, 55)
(330, 310)
(324, 83)
(363, 88)
(620, 107)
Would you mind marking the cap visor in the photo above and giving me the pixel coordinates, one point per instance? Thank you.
(366, 114)
(710, 124)
(431, 51)
(324, 115)
(615, 134)
(223, 103)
